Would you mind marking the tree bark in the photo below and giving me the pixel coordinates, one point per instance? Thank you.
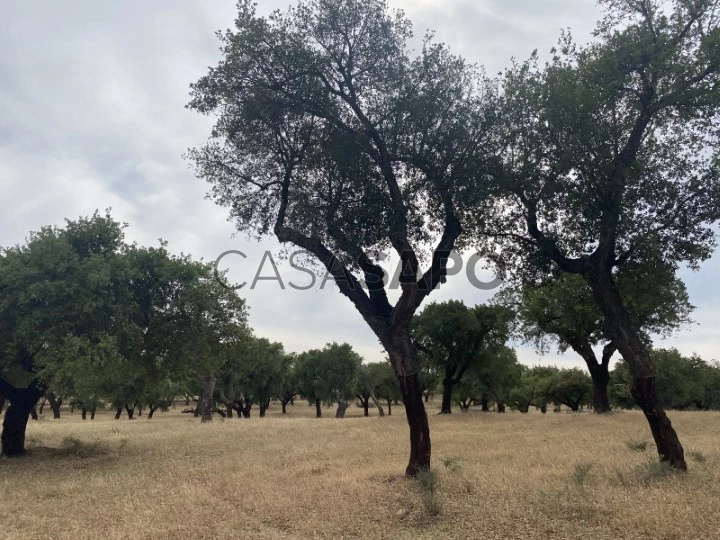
(341, 408)
(389, 404)
(485, 406)
(446, 407)
(283, 404)
(600, 378)
(22, 401)
(379, 408)
(263, 408)
(83, 413)
(118, 412)
(318, 409)
(207, 401)
(92, 413)
(130, 411)
(418, 422)
(621, 331)
(229, 410)
(500, 407)
(151, 411)
(55, 404)
(599, 371)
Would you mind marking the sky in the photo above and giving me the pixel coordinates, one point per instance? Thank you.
(92, 116)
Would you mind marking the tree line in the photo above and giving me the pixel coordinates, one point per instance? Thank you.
(92, 321)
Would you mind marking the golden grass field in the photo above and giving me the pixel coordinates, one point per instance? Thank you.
(554, 476)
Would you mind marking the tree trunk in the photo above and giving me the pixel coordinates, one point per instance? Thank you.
(207, 400)
(389, 403)
(130, 411)
(446, 407)
(543, 408)
(379, 408)
(341, 408)
(229, 410)
(118, 412)
(426, 397)
(83, 413)
(34, 413)
(55, 404)
(365, 401)
(623, 334)
(22, 401)
(598, 371)
(92, 413)
(485, 406)
(318, 409)
(418, 423)
(500, 407)
(263, 408)
(405, 362)
(43, 401)
(600, 379)
(283, 404)
(151, 411)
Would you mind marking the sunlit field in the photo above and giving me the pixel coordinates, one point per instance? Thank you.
(558, 475)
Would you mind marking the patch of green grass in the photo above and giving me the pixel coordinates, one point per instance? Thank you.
(637, 446)
(453, 464)
(427, 482)
(72, 447)
(698, 457)
(582, 474)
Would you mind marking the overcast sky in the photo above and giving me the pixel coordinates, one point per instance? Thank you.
(92, 116)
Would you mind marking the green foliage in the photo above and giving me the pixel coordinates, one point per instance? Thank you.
(96, 319)
(570, 387)
(427, 481)
(384, 382)
(637, 446)
(682, 382)
(329, 374)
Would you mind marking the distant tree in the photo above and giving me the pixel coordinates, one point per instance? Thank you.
(570, 387)
(562, 310)
(262, 372)
(612, 158)
(329, 376)
(289, 382)
(498, 373)
(332, 137)
(453, 337)
(385, 383)
(364, 388)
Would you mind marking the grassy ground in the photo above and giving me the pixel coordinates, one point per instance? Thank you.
(498, 476)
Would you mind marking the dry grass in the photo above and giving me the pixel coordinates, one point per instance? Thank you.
(498, 476)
